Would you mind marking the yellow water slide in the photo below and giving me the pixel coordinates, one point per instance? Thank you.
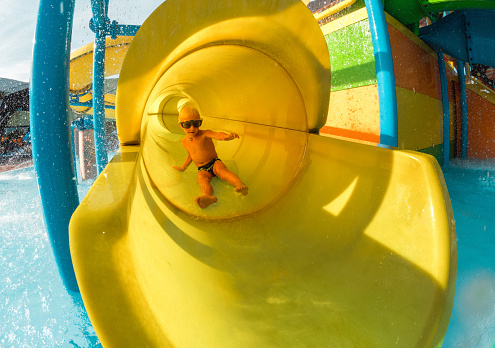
(337, 244)
(81, 71)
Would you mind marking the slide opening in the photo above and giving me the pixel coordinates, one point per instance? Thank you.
(236, 89)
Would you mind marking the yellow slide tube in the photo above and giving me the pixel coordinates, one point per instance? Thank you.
(337, 244)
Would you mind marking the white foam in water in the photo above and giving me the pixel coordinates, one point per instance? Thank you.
(18, 175)
(474, 163)
(476, 306)
(36, 310)
(471, 185)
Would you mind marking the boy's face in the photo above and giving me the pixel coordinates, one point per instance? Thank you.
(188, 120)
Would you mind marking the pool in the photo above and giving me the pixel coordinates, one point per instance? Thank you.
(36, 311)
(471, 186)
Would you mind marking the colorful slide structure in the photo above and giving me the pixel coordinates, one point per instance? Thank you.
(337, 244)
(409, 12)
(464, 35)
(81, 73)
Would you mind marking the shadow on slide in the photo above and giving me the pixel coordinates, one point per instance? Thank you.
(337, 244)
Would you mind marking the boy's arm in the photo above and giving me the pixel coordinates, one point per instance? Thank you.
(220, 135)
(186, 164)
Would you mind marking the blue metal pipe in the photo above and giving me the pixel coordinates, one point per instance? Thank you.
(90, 104)
(116, 29)
(387, 96)
(464, 116)
(99, 101)
(445, 108)
(73, 142)
(99, 8)
(49, 118)
(87, 122)
(127, 30)
(101, 23)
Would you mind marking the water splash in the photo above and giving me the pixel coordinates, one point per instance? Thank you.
(35, 309)
(471, 187)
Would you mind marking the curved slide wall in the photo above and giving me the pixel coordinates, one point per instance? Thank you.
(336, 244)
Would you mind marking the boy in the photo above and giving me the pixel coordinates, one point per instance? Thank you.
(201, 150)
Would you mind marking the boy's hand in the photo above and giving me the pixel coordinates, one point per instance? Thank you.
(180, 169)
(231, 136)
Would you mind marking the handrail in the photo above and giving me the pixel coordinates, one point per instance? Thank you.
(334, 9)
(464, 116)
(385, 76)
(48, 112)
(445, 108)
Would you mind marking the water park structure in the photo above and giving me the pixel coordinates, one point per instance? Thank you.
(14, 122)
(347, 237)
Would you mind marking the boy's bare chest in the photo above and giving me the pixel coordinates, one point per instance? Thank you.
(198, 145)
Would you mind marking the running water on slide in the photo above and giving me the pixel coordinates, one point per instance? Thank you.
(336, 244)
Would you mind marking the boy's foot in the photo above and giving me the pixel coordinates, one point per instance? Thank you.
(205, 201)
(242, 189)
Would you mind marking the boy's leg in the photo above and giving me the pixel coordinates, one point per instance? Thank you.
(206, 197)
(223, 173)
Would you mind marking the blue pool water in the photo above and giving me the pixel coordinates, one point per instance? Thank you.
(36, 311)
(471, 185)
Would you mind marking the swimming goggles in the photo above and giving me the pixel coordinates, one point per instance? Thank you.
(188, 124)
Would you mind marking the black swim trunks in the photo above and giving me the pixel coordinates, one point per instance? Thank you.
(209, 166)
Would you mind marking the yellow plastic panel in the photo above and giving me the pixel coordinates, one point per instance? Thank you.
(358, 252)
(415, 117)
(344, 21)
(108, 240)
(355, 113)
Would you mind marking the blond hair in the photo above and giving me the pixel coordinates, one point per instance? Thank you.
(187, 111)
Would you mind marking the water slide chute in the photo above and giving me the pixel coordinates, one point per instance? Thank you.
(81, 73)
(465, 35)
(337, 243)
(411, 11)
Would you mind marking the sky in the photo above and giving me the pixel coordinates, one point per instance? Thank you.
(18, 24)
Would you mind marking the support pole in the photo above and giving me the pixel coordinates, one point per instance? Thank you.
(464, 117)
(99, 101)
(387, 96)
(49, 118)
(73, 128)
(445, 108)
(100, 24)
